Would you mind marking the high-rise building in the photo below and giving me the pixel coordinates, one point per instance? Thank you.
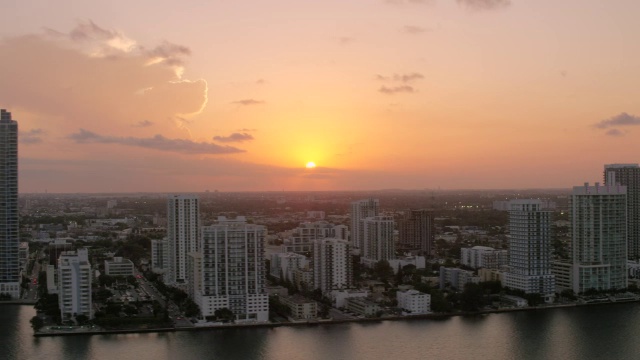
(530, 249)
(232, 271)
(9, 238)
(484, 257)
(302, 237)
(74, 284)
(416, 232)
(629, 176)
(332, 267)
(599, 237)
(159, 255)
(183, 234)
(378, 243)
(361, 210)
(284, 265)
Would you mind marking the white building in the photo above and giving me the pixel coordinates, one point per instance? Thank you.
(378, 240)
(183, 234)
(302, 238)
(283, 265)
(332, 268)
(398, 263)
(301, 308)
(160, 256)
(456, 278)
(414, 302)
(483, 257)
(232, 273)
(74, 284)
(118, 266)
(599, 237)
(530, 249)
(628, 175)
(361, 210)
(340, 297)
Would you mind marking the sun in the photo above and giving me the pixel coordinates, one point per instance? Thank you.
(310, 165)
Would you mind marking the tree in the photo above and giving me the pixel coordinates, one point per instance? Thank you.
(224, 314)
(383, 271)
(82, 319)
(37, 323)
(471, 298)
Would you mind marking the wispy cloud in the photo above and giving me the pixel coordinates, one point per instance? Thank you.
(248, 102)
(235, 137)
(158, 142)
(414, 30)
(484, 4)
(614, 132)
(622, 119)
(32, 136)
(405, 78)
(344, 40)
(396, 89)
(261, 82)
(143, 123)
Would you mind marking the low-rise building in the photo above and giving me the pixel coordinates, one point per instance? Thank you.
(301, 307)
(398, 263)
(490, 275)
(414, 302)
(563, 271)
(483, 257)
(456, 278)
(340, 297)
(118, 266)
(362, 306)
(515, 300)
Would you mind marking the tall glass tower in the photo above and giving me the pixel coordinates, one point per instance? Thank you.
(9, 239)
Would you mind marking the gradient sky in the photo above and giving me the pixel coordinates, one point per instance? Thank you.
(122, 96)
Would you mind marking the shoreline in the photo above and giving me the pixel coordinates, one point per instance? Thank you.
(431, 316)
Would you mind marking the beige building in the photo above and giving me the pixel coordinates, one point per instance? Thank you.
(301, 307)
(362, 306)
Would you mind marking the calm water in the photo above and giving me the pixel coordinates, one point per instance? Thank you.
(600, 332)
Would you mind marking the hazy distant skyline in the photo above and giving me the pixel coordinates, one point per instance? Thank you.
(164, 96)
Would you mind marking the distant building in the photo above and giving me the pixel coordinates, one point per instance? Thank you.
(362, 306)
(332, 266)
(456, 278)
(361, 210)
(399, 262)
(414, 302)
(530, 249)
(301, 241)
(377, 242)
(599, 237)
(159, 256)
(23, 255)
(483, 257)
(301, 307)
(9, 235)
(628, 175)
(118, 266)
(183, 233)
(74, 284)
(490, 275)
(416, 232)
(339, 297)
(283, 265)
(303, 278)
(232, 274)
(563, 271)
(57, 247)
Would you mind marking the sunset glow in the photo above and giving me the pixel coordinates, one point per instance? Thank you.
(310, 165)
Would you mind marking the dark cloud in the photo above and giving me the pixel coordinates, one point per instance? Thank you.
(235, 137)
(31, 137)
(143, 123)
(622, 119)
(248, 102)
(414, 30)
(157, 142)
(614, 132)
(396, 89)
(404, 78)
(484, 4)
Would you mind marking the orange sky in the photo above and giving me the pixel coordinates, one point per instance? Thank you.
(164, 96)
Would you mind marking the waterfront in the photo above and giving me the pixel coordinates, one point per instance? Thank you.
(593, 332)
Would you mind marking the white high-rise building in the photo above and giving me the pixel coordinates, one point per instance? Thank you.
(530, 249)
(232, 271)
(74, 284)
(183, 234)
(378, 242)
(629, 176)
(599, 237)
(332, 267)
(9, 237)
(361, 210)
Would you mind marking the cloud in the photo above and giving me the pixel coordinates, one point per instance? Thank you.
(248, 102)
(31, 137)
(622, 119)
(158, 142)
(235, 137)
(484, 4)
(344, 40)
(414, 30)
(614, 132)
(261, 82)
(247, 130)
(396, 89)
(404, 78)
(143, 123)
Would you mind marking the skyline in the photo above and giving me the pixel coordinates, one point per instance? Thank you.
(159, 97)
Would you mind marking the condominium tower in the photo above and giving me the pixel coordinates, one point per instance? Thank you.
(74, 284)
(332, 267)
(629, 176)
(377, 240)
(9, 239)
(361, 210)
(599, 237)
(416, 232)
(530, 249)
(183, 234)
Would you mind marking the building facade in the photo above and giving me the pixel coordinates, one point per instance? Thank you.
(284, 265)
(628, 175)
(530, 249)
(599, 237)
(416, 232)
(361, 210)
(159, 256)
(414, 302)
(9, 237)
(74, 284)
(378, 242)
(301, 241)
(118, 266)
(232, 272)
(478, 257)
(332, 266)
(183, 234)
